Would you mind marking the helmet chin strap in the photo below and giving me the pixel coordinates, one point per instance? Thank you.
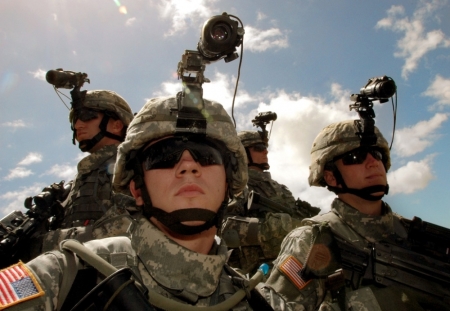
(263, 166)
(173, 220)
(87, 144)
(364, 193)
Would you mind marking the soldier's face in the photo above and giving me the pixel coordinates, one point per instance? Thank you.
(370, 172)
(186, 185)
(88, 129)
(259, 155)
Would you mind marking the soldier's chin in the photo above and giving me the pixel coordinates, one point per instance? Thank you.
(193, 223)
(376, 194)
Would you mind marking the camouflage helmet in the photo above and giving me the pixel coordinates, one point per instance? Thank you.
(334, 140)
(157, 120)
(249, 138)
(104, 100)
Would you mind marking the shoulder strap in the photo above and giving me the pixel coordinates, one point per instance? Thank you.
(254, 298)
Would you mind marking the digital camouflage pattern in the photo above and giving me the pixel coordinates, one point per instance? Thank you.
(91, 191)
(334, 140)
(157, 120)
(249, 138)
(104, 100)
(88, 200)
(270, 227)
(115, 222)
(263, 183)
(163, 265)
(359, 230)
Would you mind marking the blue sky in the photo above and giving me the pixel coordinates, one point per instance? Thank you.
(302, 60)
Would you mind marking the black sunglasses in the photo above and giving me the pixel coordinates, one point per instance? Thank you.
(259, 147)
(84, 115)
(167, 153)
(359, 155)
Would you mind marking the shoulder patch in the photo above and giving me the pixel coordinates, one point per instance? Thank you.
(18, 284)
(291, 268)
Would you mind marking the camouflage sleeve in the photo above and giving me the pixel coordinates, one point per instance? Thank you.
(238, 206)
(266, 232)
(47, 271)
(306, 210)
(285, 287)
(272, 230)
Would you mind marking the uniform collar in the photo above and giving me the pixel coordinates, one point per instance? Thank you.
(97, 158)
(176, 267)
(372, 228)
(258, 175)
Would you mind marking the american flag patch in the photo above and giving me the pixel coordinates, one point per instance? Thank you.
(291, 268)
(17, 284)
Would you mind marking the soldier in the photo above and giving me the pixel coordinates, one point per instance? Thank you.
(182, 177)
(99, 126)
(255, 234)
(356, 257)
(99, 122)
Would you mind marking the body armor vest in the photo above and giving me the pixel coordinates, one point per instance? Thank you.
(262, 183)
(90, 195)
(366, 286)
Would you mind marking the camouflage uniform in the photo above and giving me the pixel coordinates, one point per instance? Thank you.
(284, 290)
(163, 266)
(310, 255)
(90, 195)
(159, 263)
(91, 190)
(256, 235)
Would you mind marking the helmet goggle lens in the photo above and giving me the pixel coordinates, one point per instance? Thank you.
(259, 147)
(167, 153)
(358, 155)
(84, 115)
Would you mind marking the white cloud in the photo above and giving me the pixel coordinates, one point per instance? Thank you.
(38, 74)
(14, 124)
(64, 171)
(130, 21)
(299, 120)
(220, 89)
(416, 42)
(32, 157)
(412, 177)
(185, 14)
(440, 89)
(257, 40)
(18, 172)
(260, 16)
(412, 140)
(13, 200)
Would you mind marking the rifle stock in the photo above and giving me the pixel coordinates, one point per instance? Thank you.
(255, 199)
(17, 227)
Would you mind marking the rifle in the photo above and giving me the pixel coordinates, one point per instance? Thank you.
(428, 239)
(17, 228)
(420, 262)
(256, 200)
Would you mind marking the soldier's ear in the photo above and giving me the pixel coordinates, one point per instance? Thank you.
(115, 126)
(136, 193)
(329, 178)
